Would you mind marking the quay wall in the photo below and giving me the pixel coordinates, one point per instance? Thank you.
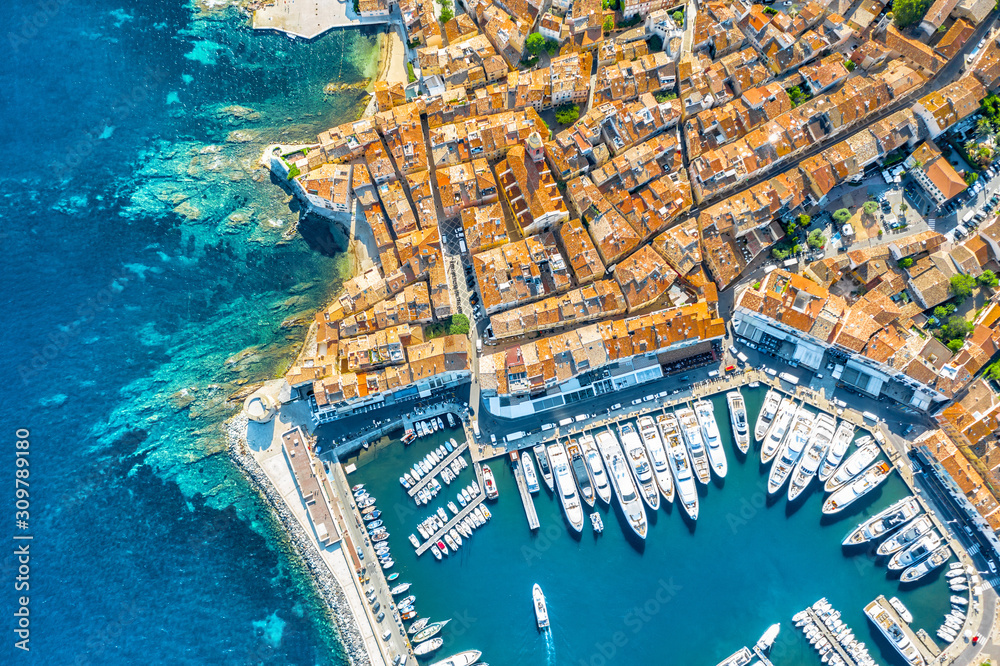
(326, 584)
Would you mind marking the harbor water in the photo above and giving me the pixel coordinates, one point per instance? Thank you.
(688, 595)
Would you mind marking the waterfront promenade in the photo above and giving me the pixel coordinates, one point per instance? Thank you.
(309, 19)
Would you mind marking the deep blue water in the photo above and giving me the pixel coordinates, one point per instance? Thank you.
(145, 255)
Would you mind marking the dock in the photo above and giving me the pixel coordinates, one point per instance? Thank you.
(818, 621)
(466, 510)
(529, 505)
(925, 644)
(424, 480)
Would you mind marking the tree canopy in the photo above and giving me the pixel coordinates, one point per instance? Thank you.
(609, 23)
(816, 238)
(534, 43)
(870, 207)
(842, 215)
(988, 279)
(962, 285)
(567, 114)
(908, 12)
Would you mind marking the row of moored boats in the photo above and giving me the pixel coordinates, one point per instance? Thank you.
(374, 525)
(452, 540)
(959, 578)
(427, 465)
(831, 637)
(427, 427)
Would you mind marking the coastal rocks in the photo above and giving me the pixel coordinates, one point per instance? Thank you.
(241, 394)
(235, 113)
(188, 211)
(54, 400)
(243, 360)
(296, 321)
(240, 136)
(326, 584)
(183, 398)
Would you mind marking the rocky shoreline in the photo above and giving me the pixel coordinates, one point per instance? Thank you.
(326, 584)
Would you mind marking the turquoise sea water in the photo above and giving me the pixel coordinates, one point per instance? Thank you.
(687, 596)
(149, 272)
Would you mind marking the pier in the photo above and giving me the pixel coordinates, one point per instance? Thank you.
(827, 634)
(924, 643)
(424, 480)
(529, 504)
(466, 510)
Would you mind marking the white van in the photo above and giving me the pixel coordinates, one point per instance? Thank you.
(581, 417)
(870, 417)
(565, 422)
(548, 426)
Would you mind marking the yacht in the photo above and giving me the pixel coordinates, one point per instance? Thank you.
(905, 537)
(791, 450)
(528, 469)
(696, 445)
(593, 458)
(884, 522)
(779, 428)
(680, 464)
(924, 546)
(543, 464)
(427, 647)
(705, 411)
(621, 479)
(467, 658)
(767, 414)
(807, 466)
(566, 486)
(767, 640)
(580, 471)
(841, 442)
(541, 611)
(850, 468)
(881, 618)
(657, 456)
(489, 483)
(738, 416)
(639, 462)
(867, 481)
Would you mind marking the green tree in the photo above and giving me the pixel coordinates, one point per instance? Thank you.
(992, 371)
(678, 17)
(985, 128)
(567, 114)
(447, 14)
(957, 328)
(971, 177)
(849, 65)
(804, 220)
(534, 43)
(842, 215)
(816, 238)
(552, 46)
(962, 285)
(940, 312)
(780, 255)
(905, 262)
(988, 279)
(459, 325)
(955, 345)
(908, 12)
(609, 24)
(655, 44)
(410, 75)
(870, 207)
(790, 229)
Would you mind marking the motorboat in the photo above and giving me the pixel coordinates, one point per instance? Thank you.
(903, 611)
(418, 625)
(429, 631)
(650, 436)
(541, 610)
(778, 429)
(924, 546)
(543, 464)
(680, 464)
(528, 469)
(597, 472)
(399, 589)
(767, 640)
(427, 647)
(705, 412)
(624, 485)
(767, 414)
(490, 483)
(882, 618)
(635, 454)
(838, 448)
(918, 571)
(696, 445)
(852, 466)
(864, 483)
(467, 658)
(808, 465)
(791, 450)
(580, 472)
(738, 418)
(566, 486)
(884, 522)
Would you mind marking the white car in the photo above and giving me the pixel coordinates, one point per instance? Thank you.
(732, 350)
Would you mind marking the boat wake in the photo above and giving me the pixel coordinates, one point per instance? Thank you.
(550, 646)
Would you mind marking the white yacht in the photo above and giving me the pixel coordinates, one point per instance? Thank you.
(650, 435)
(580, 471)
(738, 417)
(566, 486)
(850, 468)
(881, 618)
(680, 464)
(924, 546)
(621, 479)
(841, 442)
(807, 466)
(791, 450)
(918, 571)
(530, 478)
(696, 445)
(705, 411)
(779, 428)
(543, 464)
(467, 658)
(767, 414)
(884, 522)
(902, 539)
(593, 458)
(635, 453)
(541, 610)
(867, 481)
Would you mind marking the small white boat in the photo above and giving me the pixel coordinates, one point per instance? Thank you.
(436, 552)
(414, 540)
(490, 483)
(528, 469)
(427, 647)
(543, 464)
(738, 417)
(903, 611)
(541, 610)
(596, 522)
(467, 658)
(924, 546)
(959, 601)
(767, 414)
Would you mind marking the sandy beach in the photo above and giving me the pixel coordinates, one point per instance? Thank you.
(392, 60)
